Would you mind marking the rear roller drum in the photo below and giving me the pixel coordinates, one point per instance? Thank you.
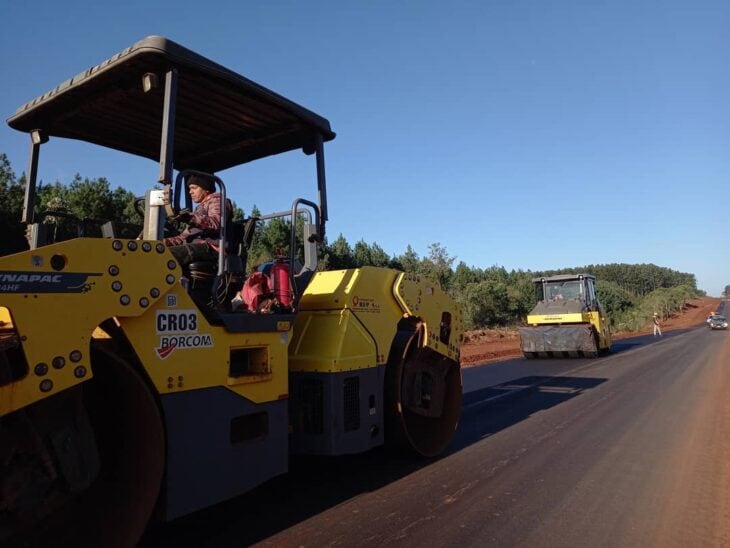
(422, 396)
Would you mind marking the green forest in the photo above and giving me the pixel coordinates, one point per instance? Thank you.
(489, 297)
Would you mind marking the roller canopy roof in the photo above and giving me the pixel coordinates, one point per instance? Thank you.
(222, 119)
(563, 277)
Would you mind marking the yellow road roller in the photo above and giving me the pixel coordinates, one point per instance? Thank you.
(131, 386)
(567, 321)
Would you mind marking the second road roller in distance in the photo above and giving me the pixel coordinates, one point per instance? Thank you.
(567, 321)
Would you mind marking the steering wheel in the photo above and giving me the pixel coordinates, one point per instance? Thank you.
(171, 228)
(139, 206)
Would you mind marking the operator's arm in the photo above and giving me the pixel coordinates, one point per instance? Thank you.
(175, 240)
(204, 222)
(184, 236)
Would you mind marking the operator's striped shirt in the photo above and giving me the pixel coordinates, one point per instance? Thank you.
(204, 225)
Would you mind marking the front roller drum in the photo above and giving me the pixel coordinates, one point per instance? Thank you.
(84, 467)
(559, 341)
(423, 394)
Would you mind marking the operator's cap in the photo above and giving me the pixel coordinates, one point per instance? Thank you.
(202, 181)
(656, 314)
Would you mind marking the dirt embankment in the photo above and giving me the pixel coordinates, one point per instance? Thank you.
(485, 345)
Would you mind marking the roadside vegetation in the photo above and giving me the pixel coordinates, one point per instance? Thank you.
(489, 297)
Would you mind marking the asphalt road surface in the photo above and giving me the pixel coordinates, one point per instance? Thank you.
(632, 449)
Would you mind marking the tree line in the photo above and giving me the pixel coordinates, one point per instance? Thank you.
(488, 297)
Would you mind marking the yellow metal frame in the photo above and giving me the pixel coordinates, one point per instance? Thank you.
(56, 324)
(347, 321)
(348, 318)
(204, 360)
(55, 321)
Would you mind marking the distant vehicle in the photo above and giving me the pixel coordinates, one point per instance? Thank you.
(717, 322)
(712, 315)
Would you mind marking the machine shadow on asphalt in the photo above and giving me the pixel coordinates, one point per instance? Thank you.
(315, 484)
(312, 485)
(490, 410)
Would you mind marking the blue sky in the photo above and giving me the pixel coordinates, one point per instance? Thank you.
(526, 134)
